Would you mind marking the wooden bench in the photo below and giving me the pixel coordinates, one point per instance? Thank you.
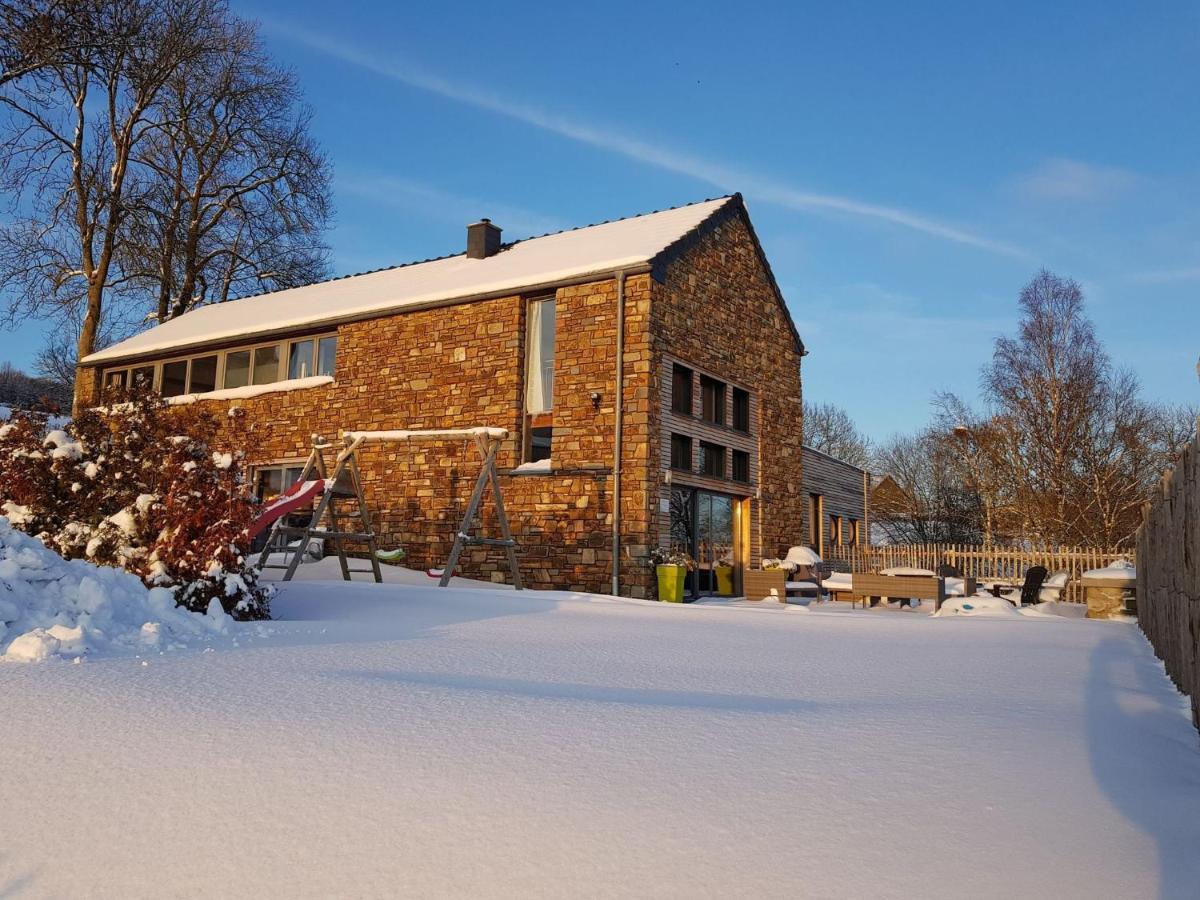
(758, 584)
(913, 587)
(765, 584)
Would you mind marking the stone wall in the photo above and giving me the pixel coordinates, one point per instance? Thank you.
(464, 365)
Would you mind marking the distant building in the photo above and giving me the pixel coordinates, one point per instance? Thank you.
(837, 504)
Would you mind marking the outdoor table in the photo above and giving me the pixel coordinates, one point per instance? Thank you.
(1106, 597)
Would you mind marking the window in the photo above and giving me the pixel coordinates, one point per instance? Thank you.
(266, 364)
(237, 369)
(835, 530)
(300, 359)
(741, 410)
(539, 379)
(741, 466)
(256, 365)
(539, 374)
(681, 452)
(712, 460)
(142, 377)
(855, 532)
(815, 515)
(326, 355)
(271, 481)
(174, 378)
(712, 398)
(681, 389)
(203, 376)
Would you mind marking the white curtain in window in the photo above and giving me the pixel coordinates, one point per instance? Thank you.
(539, 384)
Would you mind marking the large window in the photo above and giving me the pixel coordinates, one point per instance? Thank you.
(234, 368)
(712, 400)
(681, 452)
(855, 533)
(835, 530)
(539, 379)
(712, 460)
(741, 466)
(681, 389)
(741, 410)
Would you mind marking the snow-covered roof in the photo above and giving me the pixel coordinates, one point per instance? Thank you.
(534, 261)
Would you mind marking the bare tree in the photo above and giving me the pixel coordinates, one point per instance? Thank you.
(830, 429)
(36, 34)
(1068, 450)
(239, 200)
(167, 155)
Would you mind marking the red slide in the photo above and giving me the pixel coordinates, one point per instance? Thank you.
(299, 494)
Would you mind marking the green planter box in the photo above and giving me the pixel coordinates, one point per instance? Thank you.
(670, 583)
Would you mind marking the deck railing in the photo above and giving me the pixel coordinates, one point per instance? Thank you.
(1168, 585)
(985, 563)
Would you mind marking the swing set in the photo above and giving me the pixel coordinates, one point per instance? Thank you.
(341, 500)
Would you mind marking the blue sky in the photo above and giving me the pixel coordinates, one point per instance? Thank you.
(907, 168)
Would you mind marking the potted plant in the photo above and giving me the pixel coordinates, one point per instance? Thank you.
(723, 570)
(672, 567)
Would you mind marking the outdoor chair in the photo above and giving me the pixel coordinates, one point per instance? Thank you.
(1031, 590)
(945, 570)
(1053, 587)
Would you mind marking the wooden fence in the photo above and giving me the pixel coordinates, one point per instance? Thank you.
(1168, 585)
(985, 563)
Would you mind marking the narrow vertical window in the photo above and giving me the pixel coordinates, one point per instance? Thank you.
(326, 355)
(681, 452)
(681, 389)
(539, 379)
(712, 397)
(203, 375)
(237, 369)
(815, 515)
(266, 364)
(741, 410)
(174, 378)
(300, 359)
(741, 466)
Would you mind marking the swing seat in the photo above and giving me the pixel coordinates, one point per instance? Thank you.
(295, 497)
(390, 555)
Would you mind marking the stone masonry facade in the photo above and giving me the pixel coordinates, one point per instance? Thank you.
(461, 365)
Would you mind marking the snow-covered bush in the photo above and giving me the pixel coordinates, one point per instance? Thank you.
(140, 485)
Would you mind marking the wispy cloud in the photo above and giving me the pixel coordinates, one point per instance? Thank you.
(405, 193)
(1059, 179)
(1166, 276)
(719, 176)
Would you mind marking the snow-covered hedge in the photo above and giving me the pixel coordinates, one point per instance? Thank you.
(142, 486)
(50, 606)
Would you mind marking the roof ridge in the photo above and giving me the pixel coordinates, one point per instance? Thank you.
(507, 246)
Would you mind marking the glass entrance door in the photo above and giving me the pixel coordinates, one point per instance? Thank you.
(702, 525)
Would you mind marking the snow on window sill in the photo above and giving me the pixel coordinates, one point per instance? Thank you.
(541, 467)
(254, 390)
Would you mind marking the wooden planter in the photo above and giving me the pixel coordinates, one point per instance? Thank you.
(765, 584)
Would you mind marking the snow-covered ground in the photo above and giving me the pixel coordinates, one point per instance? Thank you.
(402, 740)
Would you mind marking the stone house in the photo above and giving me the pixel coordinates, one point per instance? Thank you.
(837, 504)
(678, 309)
